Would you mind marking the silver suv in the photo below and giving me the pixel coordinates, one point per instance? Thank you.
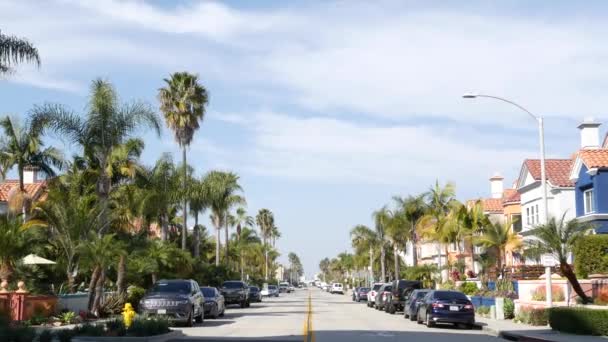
(180, 300)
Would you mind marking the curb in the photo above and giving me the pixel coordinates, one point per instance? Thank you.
(511, 336)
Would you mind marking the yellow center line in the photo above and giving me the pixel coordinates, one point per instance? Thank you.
(308, 334)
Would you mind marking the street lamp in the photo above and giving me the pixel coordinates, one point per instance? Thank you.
(543, 175)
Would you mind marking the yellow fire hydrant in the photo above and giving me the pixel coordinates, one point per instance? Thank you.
(128, 314)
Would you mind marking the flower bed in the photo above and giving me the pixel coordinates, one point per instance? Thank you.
(580, 321)
(115, 330)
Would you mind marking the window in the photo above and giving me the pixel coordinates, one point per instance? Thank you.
(528, 216)
(516, 221)
(588, 199)
(537, 221)
(532, 216)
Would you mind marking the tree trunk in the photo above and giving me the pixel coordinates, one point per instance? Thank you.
(371, 265)
(98, 292)
(414, 246)
(266, 260)
(163, 227)
(185, 211)
(227, 239)
(154, 276)
(197, 238)
(103, 193)
(71, 280)
(92, 283)
(121, 274)
(217, 246)
(472, 256)
(382, 263)
(6, 271)
(396, 251)
(576, 286)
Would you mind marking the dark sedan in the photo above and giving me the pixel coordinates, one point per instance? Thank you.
(214, 302)
(412, 303)
(255, 295)
(361, 293)
(179, 300)
(446, 307)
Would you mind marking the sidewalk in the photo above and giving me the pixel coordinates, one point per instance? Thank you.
(509, 330)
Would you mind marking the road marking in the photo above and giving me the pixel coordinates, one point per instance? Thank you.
(309, 336)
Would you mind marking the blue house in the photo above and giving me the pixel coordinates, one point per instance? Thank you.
(590, 174)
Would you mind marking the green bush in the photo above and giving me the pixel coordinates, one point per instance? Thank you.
(148, 327)
(508, 308)
(557, 293)
(65, 335)
(116, 327)
(448, 285)
(483, 311)
(590, 256)
(532, 316)
(468, 288)
(45, 336)
(580, 321)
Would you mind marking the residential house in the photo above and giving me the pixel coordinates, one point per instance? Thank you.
(35, 188)
(590, 174)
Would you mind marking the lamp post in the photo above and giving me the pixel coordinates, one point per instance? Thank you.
(543, 174)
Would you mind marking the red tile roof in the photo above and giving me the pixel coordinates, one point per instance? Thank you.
(511, 196)
(594, 158)
(489, 205)
(35, 190)
(558, 171)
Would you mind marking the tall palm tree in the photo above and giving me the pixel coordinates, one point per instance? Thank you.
(240, 220)
(21, 147)
(414, 208)
(500, 237)
(108, 125)
(559, 238)
(275, 234)
(246, 245)
(440, 201)
(15, 50)
(398, 231)
(473, 221)
(222, 191)
(381, 219)
(365, 239)
(198, 204)
(183, 101)
(265, 221)
(16, 241)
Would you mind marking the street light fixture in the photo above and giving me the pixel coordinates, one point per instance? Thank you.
(543, 175)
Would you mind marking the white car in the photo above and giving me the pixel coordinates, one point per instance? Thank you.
(336, 288)
(371, 295)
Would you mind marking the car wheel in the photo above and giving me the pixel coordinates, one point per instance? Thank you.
(200, 318)
(216, 312)
(418, 320)
(189, 319)
(248, 304)
(429, 322)
(223, 312)
(412, 318)
(392, 310)
(243, 304)
(359, 300)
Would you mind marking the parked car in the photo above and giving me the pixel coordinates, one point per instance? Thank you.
(354, 296)
(284, 287)
(255, 294)
(442, 306)
(291, 288)
(412, 303)
(273, 291)
(214, 302)
(400, 290)
(180, 300)
(236, 292)
(382, 296)
(371, 295)
(361, 294)
(336, 288)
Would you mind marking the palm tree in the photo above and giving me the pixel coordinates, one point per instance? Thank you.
(107, 126)
(16, 241)
(500, 237)
(14, 50)
(246, 243)
(21, 146)
(183, 101)
(414, 208)
(198, 204)
(473, 221)
(275, 234)
(240, 220)
(398, 232)
(381, 219)
(364, 239)
(221, 190)
(265, 220)
(559, 238)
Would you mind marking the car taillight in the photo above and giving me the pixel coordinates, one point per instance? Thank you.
(468, 307)
(437, 305)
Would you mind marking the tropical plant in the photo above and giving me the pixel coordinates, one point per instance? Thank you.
(240, 220)
(198, 204)
(414, 208)
(364, 240)
(559, 238)
(21, 147)
(472, 221)
(108, 126)
(15, 50)
(16, 241)
(265, 221)
(381, 219)
(399, 234)
(501, 237)
(183, 101)
(247, 244)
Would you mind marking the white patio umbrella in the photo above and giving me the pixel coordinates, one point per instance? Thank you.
(33, 259)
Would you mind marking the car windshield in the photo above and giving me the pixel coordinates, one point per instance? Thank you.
(388, 288)
(364, 289)
(232, 285)
(421, 294)
(208, 292)
(253, 288)
(171, 287)
(377, 287)
(448, 295)
(272, 287)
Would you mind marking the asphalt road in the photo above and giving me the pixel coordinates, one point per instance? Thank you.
(322, 318)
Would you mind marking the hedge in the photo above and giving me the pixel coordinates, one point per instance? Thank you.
(590, 255)
(579, 321)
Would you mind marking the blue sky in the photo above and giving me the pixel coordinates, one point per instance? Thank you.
(328, 109)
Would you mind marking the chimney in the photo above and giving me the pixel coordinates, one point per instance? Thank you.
(30, 175)
(590, 134)
(496, 185)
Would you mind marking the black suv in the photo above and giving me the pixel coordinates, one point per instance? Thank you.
(400, 290)
(180, 300)
(236, 292)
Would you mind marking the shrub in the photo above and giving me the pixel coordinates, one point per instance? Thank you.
(504, 285)
(602, 297)
(580, 321)
(471, 274)
(134, 295)
(116, 327)
(590, 256)
(532, 316)
(89, 330)
(509, 308)
(67, 317)
(448, 285)
(483, 311)
(148, 327)
(468, 288)
(556, 291)
(65, 335)
(45, 336)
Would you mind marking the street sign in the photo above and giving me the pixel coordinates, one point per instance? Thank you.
(548, 260)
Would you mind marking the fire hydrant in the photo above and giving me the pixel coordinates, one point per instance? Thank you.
(128, 314)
